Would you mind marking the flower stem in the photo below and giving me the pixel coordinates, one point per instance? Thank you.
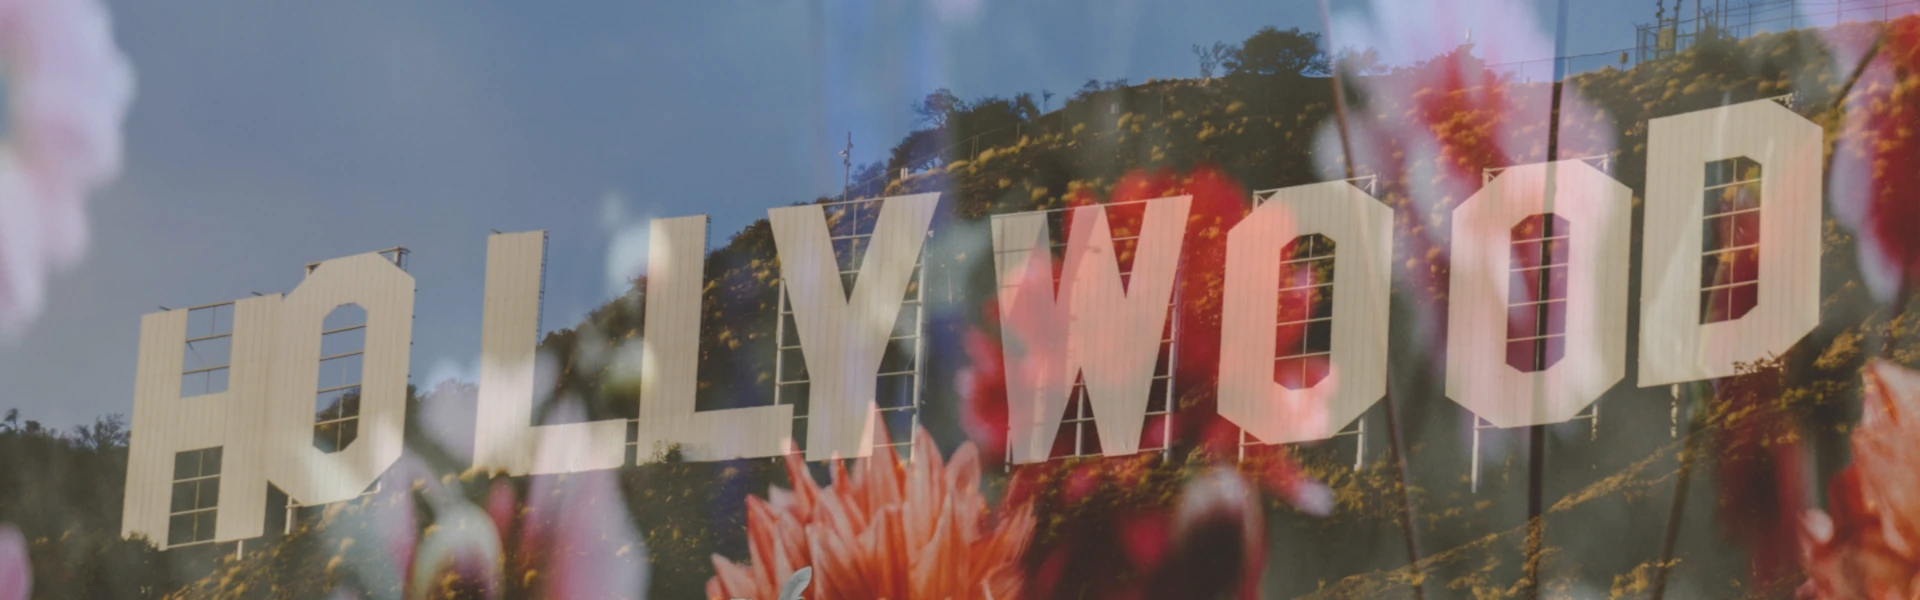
(1397, 447)
(1672, 536)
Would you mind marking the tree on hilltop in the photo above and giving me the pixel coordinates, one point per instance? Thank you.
(1271, 51)
(937, 107)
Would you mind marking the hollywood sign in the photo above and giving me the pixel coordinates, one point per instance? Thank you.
(306, 391)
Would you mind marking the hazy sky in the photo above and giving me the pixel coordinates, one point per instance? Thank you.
(267, 135)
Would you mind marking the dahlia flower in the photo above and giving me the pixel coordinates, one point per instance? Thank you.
(1867, 544)
(68, 90)
(886, 529)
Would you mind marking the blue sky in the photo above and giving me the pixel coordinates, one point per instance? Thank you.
(267, 135)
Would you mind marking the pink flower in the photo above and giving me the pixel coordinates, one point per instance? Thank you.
(577, 539)
(885, 530)
(69, 90)
(556, 536)
(16, 574)
(1868, 546)
(569, 536)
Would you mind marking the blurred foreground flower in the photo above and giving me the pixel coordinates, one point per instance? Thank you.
(574, 537)
(1868, 546)
(983, 387)
(459, 556)
(566, 537)
(68, 90)
(887, 530)
(1432, 130)
(1217, 544)
(16, 575)
(1876, 162)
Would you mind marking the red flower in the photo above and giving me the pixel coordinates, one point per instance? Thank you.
(983, 388)
(1209, 542)
(1876, 161)
(1869, 546)
(1218, 204)
(1206, 540)
(1430, 133)
(1217, 541)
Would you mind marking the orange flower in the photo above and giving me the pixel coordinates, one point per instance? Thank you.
(1870, 546)
(887, 530)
